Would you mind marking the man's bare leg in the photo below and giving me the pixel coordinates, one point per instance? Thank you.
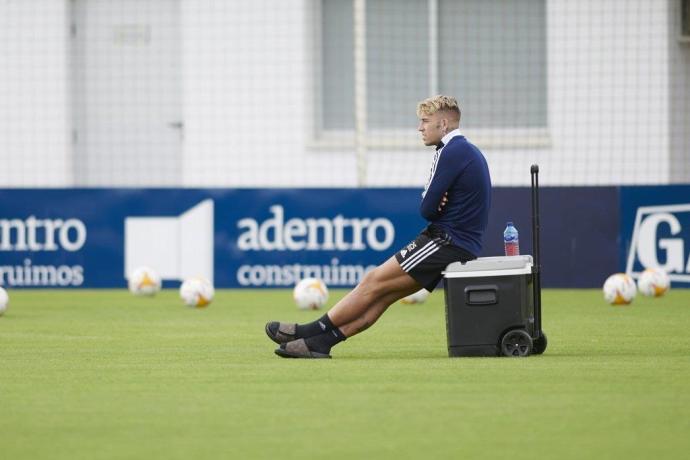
(374, 312)
(357, 311)
(362, 306)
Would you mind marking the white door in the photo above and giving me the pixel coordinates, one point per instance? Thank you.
(126, 97)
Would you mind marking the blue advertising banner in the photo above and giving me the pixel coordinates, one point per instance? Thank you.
(280, 236)
(259, 238)
(579, 231)
(274, 237)
(655, 230)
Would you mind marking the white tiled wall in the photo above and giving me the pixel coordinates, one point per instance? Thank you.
(619, 103)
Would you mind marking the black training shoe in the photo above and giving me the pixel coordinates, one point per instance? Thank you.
(281, 333)
(299, 349)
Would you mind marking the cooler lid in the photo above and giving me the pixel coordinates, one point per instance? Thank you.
(490, 266)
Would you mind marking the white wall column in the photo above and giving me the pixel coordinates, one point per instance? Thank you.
(35, 140)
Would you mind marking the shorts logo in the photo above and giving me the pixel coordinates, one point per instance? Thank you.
(408, 248)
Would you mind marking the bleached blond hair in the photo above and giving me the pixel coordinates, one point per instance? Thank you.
(438, 103)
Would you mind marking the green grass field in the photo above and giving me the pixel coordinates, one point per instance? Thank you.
(102, 374)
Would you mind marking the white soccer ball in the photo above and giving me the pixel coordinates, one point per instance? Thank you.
(144, 281)
(418, 297)
(310, 294)
(4, 301)
(619, 289)
(196, 292)
(654, 282)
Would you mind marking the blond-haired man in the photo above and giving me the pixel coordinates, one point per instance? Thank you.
(455, 202)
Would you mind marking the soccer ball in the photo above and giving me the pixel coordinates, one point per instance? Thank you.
(196, 292)
(654, 282)
(619, 289)
(418, 297)
(4, 301)
(310, 294)
(144, 281)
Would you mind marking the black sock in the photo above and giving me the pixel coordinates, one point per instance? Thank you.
(323, 342)
(317, 327)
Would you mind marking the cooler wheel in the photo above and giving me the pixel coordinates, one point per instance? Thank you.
(516, 343)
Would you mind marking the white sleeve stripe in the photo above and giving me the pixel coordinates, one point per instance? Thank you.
(437, 157)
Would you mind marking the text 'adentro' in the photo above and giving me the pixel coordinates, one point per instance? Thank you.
(314, 234)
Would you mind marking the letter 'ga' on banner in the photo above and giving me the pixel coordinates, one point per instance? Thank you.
(659, 234)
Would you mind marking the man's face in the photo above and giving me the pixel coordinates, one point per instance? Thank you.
(432, 127)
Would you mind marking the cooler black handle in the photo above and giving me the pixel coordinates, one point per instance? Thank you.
(485, 294)
(534, 170)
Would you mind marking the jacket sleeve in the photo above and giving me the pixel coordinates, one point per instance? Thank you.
(440, 183)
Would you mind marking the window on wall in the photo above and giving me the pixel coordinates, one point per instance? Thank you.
(490, 54)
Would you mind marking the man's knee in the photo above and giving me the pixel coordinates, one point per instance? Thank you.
(379, 281)
(369, 279)
(373, 282)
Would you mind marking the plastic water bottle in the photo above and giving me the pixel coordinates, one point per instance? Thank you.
(511, 243)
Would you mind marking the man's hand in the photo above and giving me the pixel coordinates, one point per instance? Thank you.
(443, 203)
